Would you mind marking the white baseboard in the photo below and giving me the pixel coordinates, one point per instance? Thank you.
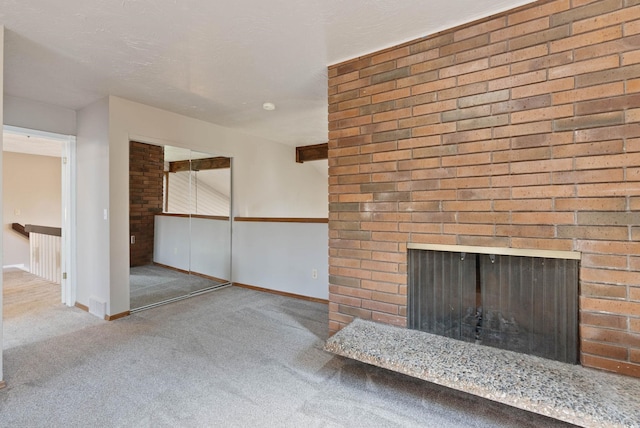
(20, 266)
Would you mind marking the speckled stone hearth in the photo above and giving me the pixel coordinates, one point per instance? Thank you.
(571, 393)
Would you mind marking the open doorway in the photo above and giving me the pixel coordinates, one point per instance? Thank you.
(38, 200)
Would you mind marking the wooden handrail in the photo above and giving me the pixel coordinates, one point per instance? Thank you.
(43, 230)
(20, 229)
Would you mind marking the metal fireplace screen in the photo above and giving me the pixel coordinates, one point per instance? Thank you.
(523, 304)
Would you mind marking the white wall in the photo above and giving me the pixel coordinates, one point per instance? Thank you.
(196, 244)
(31, 195)
(269, 183)
(31, 114)
(281, 256)
(211, 247)
(171, 242)
(93, 232)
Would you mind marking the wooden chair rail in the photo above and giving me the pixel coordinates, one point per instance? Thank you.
(282, 219)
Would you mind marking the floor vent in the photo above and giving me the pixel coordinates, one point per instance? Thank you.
(97, 307)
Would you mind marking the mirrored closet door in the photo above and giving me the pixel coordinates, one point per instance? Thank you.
(181, 240)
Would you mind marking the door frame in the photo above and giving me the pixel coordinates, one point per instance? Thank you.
(68, 254)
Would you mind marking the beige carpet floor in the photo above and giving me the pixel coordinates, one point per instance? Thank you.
(230, 358)
(25, 293)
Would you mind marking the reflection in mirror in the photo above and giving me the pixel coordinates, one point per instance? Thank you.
(201, 186)
(191, 231)
(210, 253)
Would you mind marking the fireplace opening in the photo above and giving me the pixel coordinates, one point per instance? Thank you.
(527, 304)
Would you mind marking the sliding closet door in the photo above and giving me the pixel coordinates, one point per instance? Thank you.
(190, 229)
(210, 224)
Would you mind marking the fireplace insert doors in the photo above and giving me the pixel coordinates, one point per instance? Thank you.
(523, 304)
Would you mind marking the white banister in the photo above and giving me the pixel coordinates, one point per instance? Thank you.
(45, 256)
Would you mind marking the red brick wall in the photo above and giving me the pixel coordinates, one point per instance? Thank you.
(520, 130)
(146, 166)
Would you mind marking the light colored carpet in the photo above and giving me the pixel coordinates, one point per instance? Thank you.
(25, 293)
(33, 312)
(231, 358)
(152, 284)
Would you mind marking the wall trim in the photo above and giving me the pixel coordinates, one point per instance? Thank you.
(280, 293)
(82, 307)
(117, 316)
(282, 219)
(18, 266)
(208, 217)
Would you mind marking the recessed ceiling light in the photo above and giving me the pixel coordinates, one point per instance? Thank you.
(269, 106)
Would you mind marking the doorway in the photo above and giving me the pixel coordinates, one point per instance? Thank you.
(39, 191)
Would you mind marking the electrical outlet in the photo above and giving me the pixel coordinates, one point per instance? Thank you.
(314, 273)
(175, 250)
(133, 239)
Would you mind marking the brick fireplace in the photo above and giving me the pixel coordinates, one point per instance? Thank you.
(518, 131)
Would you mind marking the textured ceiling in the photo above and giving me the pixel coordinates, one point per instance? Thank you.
(217, 61)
